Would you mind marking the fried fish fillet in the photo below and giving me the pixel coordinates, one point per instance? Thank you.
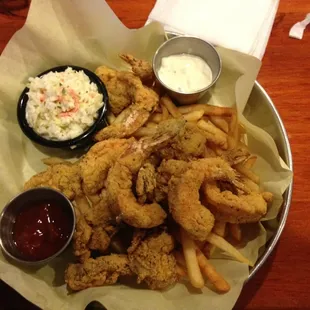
(152, 260)
(64, 177)
(97, 272)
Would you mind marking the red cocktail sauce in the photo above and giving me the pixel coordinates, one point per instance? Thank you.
(41, 230)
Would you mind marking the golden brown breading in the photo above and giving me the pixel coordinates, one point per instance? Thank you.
(142, 68)
(152, 261)
(146, 182)
(97, 272)
(99, 240)
(96, 163)
(117, 87)
(64, 177)
(187, 145)
(81, 237)
(144, 101)
(228, 207)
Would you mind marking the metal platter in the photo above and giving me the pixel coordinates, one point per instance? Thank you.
(271, 123)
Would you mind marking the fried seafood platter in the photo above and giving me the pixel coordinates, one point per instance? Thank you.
(159, 191)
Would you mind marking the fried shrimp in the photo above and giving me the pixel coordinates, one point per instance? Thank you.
(119, 183)
(228, 207)
(144, 101)
(117, 87)
(185, 206)
(97, 162)
(184, 198)
(142, 68)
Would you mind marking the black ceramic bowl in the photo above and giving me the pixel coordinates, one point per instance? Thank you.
(85, 138)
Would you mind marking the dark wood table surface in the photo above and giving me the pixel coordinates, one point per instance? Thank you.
(284, 281)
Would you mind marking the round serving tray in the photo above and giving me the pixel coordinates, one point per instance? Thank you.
(271, 123)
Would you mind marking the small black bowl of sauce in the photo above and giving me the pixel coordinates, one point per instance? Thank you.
(36, 226)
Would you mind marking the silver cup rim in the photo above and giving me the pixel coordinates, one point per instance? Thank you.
(214, 80)
(48, 259)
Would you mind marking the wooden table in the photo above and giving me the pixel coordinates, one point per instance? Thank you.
(283, 283)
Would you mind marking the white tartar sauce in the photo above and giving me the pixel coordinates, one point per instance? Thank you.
(185, 73)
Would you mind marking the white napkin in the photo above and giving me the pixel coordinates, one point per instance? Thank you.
(242, 25)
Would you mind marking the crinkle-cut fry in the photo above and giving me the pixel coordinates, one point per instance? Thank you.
(247, 172)
(213, 134)
(193, 270)
(156, 118)
(219, 283)
(193, 116)
(250, 162)
(208, 109)
(235, 231)
(168, 103)
(220, 122)
(219, 228)
(150, 125)
(227, 247)
(111, 118)
(144, 132)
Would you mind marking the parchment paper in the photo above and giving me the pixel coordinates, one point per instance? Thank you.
(88, 34)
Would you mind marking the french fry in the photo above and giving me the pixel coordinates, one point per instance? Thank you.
(193, 270)
(208, 152)
(111, 118)
(117, 245)
(150, 125)
(218, 111)
(242, 129)
(193, 116)
(208, 249)
(173, 110)
(144, 132)
(191, 108)
(164, 112)
(213, 134)
(227, 247)
(51, 161)
(247, 172)
(208, 109)
(250, 162)
(156, 118)
(94, 199)
(220, 122)
(219, 228)
(210, 272)
(235, 231)
(180, 258)
(233, 135)
(181, 272)
(82, 204)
